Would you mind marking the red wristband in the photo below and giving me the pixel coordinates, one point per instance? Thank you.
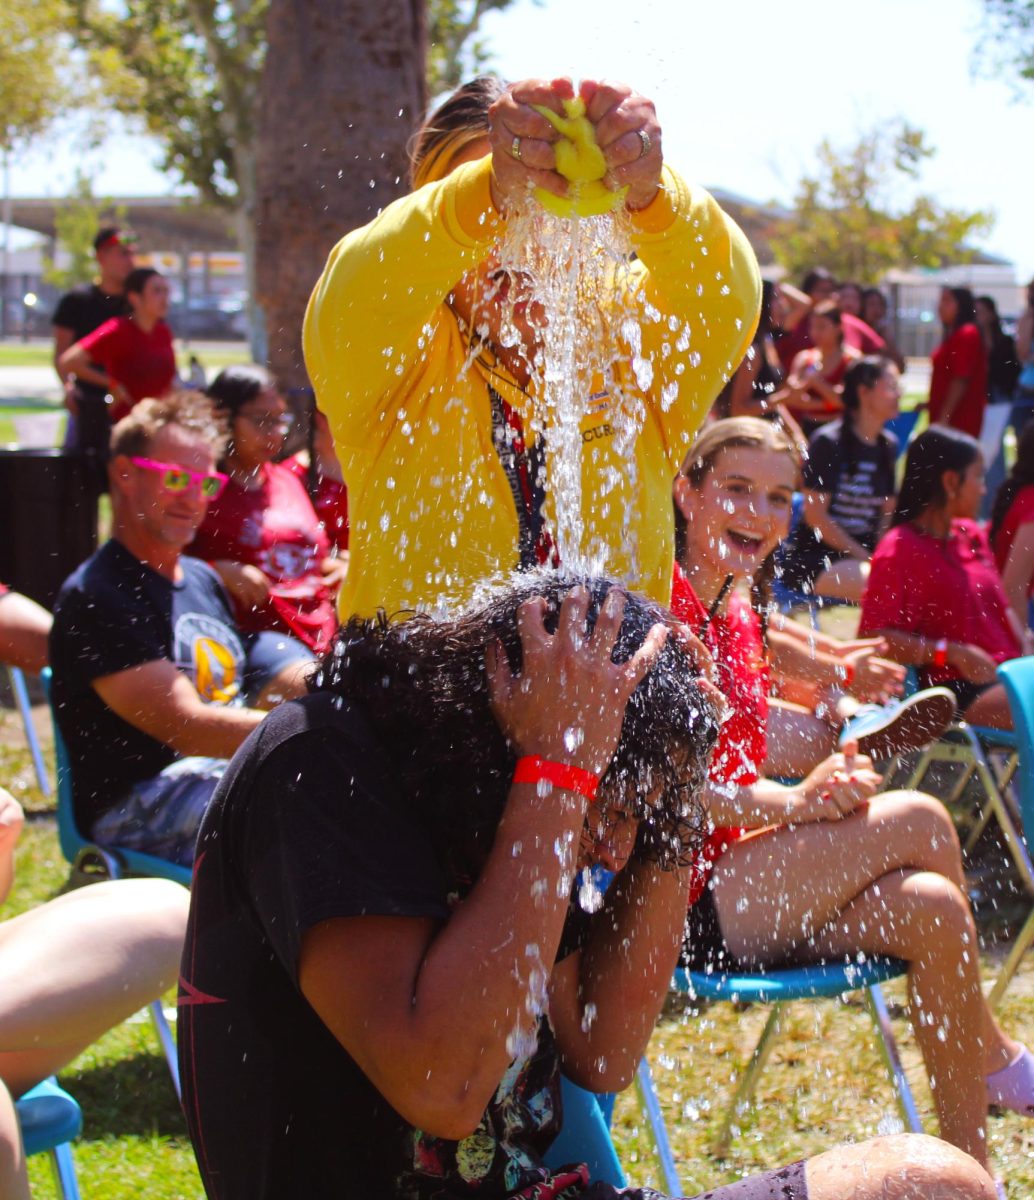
(534, 768)
(847, 671)
(940, 653)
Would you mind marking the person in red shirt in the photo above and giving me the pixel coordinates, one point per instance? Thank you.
(262, 534)
(319, 470)
(826, 868)
(958, 379)
(1011, 531)
(816, 381)
(820, 286)
(934, 593)
(132, 357)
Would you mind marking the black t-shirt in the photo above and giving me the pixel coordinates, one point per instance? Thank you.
(310, 823)
(87, 307)
(113, 613)
(84, 309)
(858, 478)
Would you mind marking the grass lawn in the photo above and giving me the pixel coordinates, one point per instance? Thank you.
(824, 1083)
(213, 355)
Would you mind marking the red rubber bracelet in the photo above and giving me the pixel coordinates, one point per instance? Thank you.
(848, 672)
(534, 768)
(940, 653)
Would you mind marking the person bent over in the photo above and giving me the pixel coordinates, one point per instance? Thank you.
(384, 966)
(154, 686)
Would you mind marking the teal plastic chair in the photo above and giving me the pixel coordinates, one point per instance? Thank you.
(50, 1119)
(1018, 677)
(20, 691)
(92, 863)
(778, 987)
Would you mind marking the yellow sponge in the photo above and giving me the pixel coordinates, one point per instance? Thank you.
(580, 160)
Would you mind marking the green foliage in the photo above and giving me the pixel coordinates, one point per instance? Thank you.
(1008, 37)
(454, 52)
(34, 69)
(76, 222)
(188, 70)
(851, 218)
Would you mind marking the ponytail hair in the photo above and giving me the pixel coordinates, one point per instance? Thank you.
(935, 451)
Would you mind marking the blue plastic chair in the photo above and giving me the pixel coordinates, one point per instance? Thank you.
(903, 426)
(1018, 677)
(585, 1136)
(778, 988)
(49, 1120)
(92, 863)
(21, 698)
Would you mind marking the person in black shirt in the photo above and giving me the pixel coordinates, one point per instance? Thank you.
(79, 312)
(150, 672)
(385, 971)
(849, 487)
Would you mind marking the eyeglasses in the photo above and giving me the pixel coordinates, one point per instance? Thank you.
(270, 423)
(178, 479)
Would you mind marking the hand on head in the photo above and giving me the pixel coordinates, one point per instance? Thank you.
(568, 702)
(523, 140)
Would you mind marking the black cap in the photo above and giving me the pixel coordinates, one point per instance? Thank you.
(111, 234)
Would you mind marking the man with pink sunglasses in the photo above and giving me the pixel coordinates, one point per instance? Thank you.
(154, 685)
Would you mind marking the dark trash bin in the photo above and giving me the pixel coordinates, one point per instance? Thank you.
(48, 519)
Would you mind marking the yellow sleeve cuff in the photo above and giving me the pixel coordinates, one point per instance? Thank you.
(671, 200)
(468, 210)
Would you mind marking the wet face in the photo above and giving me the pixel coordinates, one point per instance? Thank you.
(495, 304)
(740, 512)
(259, 428)
(608, 838)
(883, 398)
(165, 517)
(966, 489)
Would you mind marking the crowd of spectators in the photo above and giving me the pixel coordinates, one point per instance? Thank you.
(335, 837)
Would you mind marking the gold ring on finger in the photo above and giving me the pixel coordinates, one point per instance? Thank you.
(515, 148)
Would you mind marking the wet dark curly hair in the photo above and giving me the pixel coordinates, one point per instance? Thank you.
(422, 682)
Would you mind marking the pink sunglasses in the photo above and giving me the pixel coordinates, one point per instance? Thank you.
(178, 479)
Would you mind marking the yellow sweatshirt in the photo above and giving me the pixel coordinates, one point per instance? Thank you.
(431, 511)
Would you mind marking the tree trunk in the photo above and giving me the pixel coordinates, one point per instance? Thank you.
(342, 89)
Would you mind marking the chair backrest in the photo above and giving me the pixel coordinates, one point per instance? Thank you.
(585, 1137)
(72, 841)
(903, 426)
(48, 1116)
(1018, 677)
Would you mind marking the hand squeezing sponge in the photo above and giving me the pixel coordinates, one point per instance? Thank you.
(580, 160)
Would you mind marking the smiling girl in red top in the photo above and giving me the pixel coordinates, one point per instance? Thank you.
(826, 868)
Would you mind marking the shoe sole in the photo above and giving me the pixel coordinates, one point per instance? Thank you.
(921, 720)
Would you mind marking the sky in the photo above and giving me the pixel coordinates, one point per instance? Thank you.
(745, 90)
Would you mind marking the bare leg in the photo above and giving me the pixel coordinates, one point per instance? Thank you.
(287, 684)
(14, 1182)
(75, 967)
(886, 881)
(991, 708)
(844, 580)
(797, 741)
(24, 630)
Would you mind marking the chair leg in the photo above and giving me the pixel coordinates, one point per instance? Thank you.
(748, 1081)
(1019, 948)
(21, 697)
(888, 1044)
(168, 1042)
(651, 1107)
(64, 1172)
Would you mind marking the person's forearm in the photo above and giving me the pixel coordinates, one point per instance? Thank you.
(213, 730)
(795, 659)
(492, 960)
(753, 807)
(626, 971)
(78, 364)
(832, 534)
(909, 649)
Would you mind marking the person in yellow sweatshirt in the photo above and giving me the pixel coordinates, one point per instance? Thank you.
(410, 345)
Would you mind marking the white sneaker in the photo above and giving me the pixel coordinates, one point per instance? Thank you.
(883, 730)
